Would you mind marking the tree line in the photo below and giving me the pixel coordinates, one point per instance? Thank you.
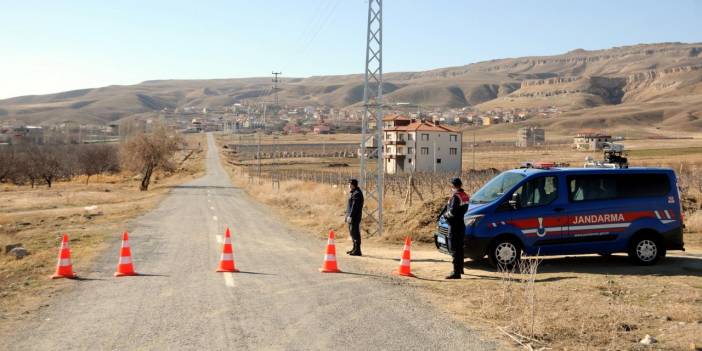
(142, 154)
(37, 164)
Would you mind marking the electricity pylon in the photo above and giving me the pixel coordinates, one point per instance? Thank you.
(373, 110)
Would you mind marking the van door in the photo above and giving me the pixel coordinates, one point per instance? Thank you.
(603, 208)
(540, 214)
(597, 213)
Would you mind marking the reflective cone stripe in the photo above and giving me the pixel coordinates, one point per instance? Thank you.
(329, 265)
(405, 269)
(226, 260)
(64, 267)
(125, 266)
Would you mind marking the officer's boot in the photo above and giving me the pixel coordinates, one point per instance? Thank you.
(457, 270)
(356, 248)
(353, 249)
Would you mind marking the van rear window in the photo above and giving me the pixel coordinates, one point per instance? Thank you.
(617, 186)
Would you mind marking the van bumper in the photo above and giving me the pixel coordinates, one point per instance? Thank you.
(674, 239)
(473, 248)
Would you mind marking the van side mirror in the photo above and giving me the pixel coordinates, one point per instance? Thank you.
(515, 202)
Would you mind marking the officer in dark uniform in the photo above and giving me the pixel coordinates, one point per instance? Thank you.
(453, 212)
(354, 211)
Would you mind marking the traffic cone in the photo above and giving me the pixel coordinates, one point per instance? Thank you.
(405, 269)
(329, 265)
(64, 267)
(226, 262)
(125, 266)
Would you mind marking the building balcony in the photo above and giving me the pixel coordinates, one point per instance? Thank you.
(395, 142)
(394, 156)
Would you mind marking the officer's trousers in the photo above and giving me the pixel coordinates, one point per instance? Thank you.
(456, 236)
(355, 232)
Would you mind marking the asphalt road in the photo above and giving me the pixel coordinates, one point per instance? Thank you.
(278, 302)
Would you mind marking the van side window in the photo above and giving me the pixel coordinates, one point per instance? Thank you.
(538, 192)
(617, 186)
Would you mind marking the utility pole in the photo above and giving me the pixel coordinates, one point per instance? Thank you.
(373, 110)
(258, 156)
(473, 148)
(275, 86)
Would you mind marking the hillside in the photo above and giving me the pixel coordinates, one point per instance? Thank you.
(658, 84)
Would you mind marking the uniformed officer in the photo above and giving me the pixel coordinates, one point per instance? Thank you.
(453, 212)
(354, 211)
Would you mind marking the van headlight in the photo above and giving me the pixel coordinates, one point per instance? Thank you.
(472, 219)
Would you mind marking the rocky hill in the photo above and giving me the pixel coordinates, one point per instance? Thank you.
(660, 80)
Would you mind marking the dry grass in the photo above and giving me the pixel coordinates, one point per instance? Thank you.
(37, 218)
(584, 302)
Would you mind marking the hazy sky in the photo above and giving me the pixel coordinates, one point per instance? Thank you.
(51, 46)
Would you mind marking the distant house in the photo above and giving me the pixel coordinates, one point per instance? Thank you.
(27, 135)
(530, 136)
(590, 140)
(422, 146)
(321, 129)
(486, 120)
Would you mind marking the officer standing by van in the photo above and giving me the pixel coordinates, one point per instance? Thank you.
(453, 212)
(354, 212)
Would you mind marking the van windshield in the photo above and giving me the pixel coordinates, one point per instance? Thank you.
(496, 187)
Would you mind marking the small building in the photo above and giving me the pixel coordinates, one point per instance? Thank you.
(530, 136)
(27, 135)
(321, 129)
(486, 120)
(591, 141)
(422, 146)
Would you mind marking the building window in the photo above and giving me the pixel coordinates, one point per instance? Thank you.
(425, 151)
(410, 161)
(438, 160)
(410, 150)
(402, 137)
(388, 160)
(409, 137)
(425, 137)
(453, 151)
(453, 137)
(399, 149)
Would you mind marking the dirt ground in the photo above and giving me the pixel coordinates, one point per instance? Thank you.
(571, 303)
(583, 302)
(37, 218)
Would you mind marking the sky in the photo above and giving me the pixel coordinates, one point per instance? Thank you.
(52, 46)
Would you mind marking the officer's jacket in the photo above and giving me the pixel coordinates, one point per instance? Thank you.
(354, 208)
(456, 208)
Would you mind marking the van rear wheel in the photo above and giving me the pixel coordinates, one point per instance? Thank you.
(505, 253)
(645, 250)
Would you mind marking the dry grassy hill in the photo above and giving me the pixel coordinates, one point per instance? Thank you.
(657, 84)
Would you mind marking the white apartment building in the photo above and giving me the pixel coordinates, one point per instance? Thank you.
(421, 146)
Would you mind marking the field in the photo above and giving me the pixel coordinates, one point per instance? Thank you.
(586, 302)
(37, 217)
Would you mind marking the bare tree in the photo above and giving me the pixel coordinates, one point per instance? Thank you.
(8, 166)
(53, 162)
(97, 159)
(146, 153)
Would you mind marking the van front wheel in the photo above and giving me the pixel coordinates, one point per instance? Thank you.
(645, 250)
(505, 253)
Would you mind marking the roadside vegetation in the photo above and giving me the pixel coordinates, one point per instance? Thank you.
(91, 199)
(583, 302)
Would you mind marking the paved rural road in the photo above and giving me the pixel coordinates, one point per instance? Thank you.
(280, 301)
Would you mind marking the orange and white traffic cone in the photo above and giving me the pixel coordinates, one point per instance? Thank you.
(125, 266)
(226, 262)
(329, 265)
(64, 268)
(405, 269)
